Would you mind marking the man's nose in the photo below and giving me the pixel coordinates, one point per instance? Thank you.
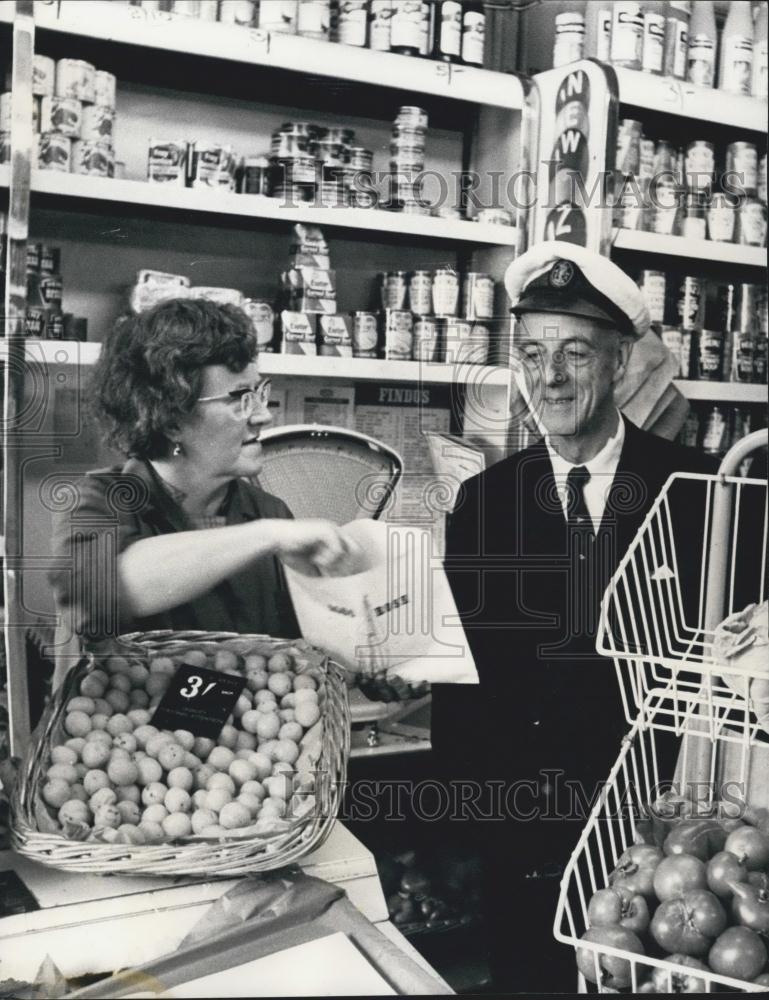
(555, 372)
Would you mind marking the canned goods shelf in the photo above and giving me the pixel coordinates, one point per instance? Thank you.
(680, 246)
(65, 352)
(308, 56)
(725, 392)
(677, 97)
(186, 200)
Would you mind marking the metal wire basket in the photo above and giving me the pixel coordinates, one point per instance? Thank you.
(36, 835)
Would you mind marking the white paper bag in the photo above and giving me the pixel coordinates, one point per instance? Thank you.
(397, 616)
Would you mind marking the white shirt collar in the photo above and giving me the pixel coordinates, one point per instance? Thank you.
(601, 467)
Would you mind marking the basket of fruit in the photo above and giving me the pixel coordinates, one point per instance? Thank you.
(186, 753)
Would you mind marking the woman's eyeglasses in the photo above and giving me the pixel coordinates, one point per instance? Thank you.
(250, 399)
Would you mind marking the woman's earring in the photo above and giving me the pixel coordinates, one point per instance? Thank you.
(177, 450)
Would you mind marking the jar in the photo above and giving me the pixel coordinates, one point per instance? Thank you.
(751, 223)
(742, 166)
(394, 289)
(693, 226)
(445, 292)
(699, 166)
(420, 297)
(721, 218)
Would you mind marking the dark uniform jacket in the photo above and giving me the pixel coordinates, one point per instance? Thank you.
(116, 507)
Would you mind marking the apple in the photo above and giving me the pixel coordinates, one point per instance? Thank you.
(689, 923)
(751, 846)
(680, 982)
(722, 871)
(613, 972)
(677, 874)
(750, 907)
(617, 906)
(635, 869)
(739, 952)
(700, 837)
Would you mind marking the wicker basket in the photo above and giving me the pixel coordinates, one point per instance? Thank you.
(239, 854)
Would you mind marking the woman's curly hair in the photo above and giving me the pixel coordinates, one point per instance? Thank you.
(149, 372)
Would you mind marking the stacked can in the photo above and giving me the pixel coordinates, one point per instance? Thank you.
(74, 116)
(331, 148)
(292, 162)
(44, 318)
(435, 316)
(407, 162)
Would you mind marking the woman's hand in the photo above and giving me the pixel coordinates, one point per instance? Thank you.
(317, 548)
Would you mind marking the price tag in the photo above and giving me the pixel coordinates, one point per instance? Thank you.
(198, 700)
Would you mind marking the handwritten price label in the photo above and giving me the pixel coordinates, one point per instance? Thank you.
(199, 700)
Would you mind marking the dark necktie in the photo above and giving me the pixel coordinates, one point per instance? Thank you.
(576, 508)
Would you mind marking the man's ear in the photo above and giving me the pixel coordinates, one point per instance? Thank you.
(624, 350)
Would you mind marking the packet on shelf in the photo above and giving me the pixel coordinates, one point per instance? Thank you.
(223, 296)
(298, 329)
(156, 286)
(335, 336)
(309, 248)
(311, 289)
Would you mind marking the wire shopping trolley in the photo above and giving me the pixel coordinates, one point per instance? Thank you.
(698, 558)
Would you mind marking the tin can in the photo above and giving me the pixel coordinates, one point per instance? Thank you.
(76, 78)
(652, 285)
(43, 76)
(98, 123)
(294, 171)
(647, 156)
(760, 345)
(167, 162)
(666, 211)
(314, 19)
(473, 347)
(54, 152)
(241, 12)
(569, 44)
(628, 158)
(456, 337)
(50, 259)
(699, 165)
(52, 290)
(394, 290)
(672, 338)
(627, 34)
(709, 355)
(664, 157)
(445, 292)
(105, 89)
(55, 327)
(398, 335)
(255, 175)
(716, 432)
(352, 24)
(336, 133)
(721, 218)
(96, 159)
(741, 357)
(263, 318)
(412, 117)
(426, 339)
(693, 225)
(360, 158)
(34, 256)
(742, 166)
(686, 353)
(35, 322)
(477, 296)
(61, 114)
(278, 15)
(745, 308)
(380, 16)
(414, 207)
(284, 145)
(751, 223)
(495, 217)
(420, 297)
(689, 303)
(365, 335)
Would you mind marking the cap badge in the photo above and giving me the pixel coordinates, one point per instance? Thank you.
(561, 274)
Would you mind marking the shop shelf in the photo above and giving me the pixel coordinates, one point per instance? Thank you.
(310, 57)
(162, 197)
(722, 392)
(65, 352)
(680, 246)
(676, 97)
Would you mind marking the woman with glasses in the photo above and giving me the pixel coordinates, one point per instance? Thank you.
(178, 536)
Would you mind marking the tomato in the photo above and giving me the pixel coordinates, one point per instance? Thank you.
(635, 869)
(617, 906)
(676, 875)
(613, 972)
(739, 952)
(724, 868)
(680, 982)
(750, 907)
(700, 837)
(751, 846)
(689, 923)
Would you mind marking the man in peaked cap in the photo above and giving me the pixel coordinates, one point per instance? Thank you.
(531, 546)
